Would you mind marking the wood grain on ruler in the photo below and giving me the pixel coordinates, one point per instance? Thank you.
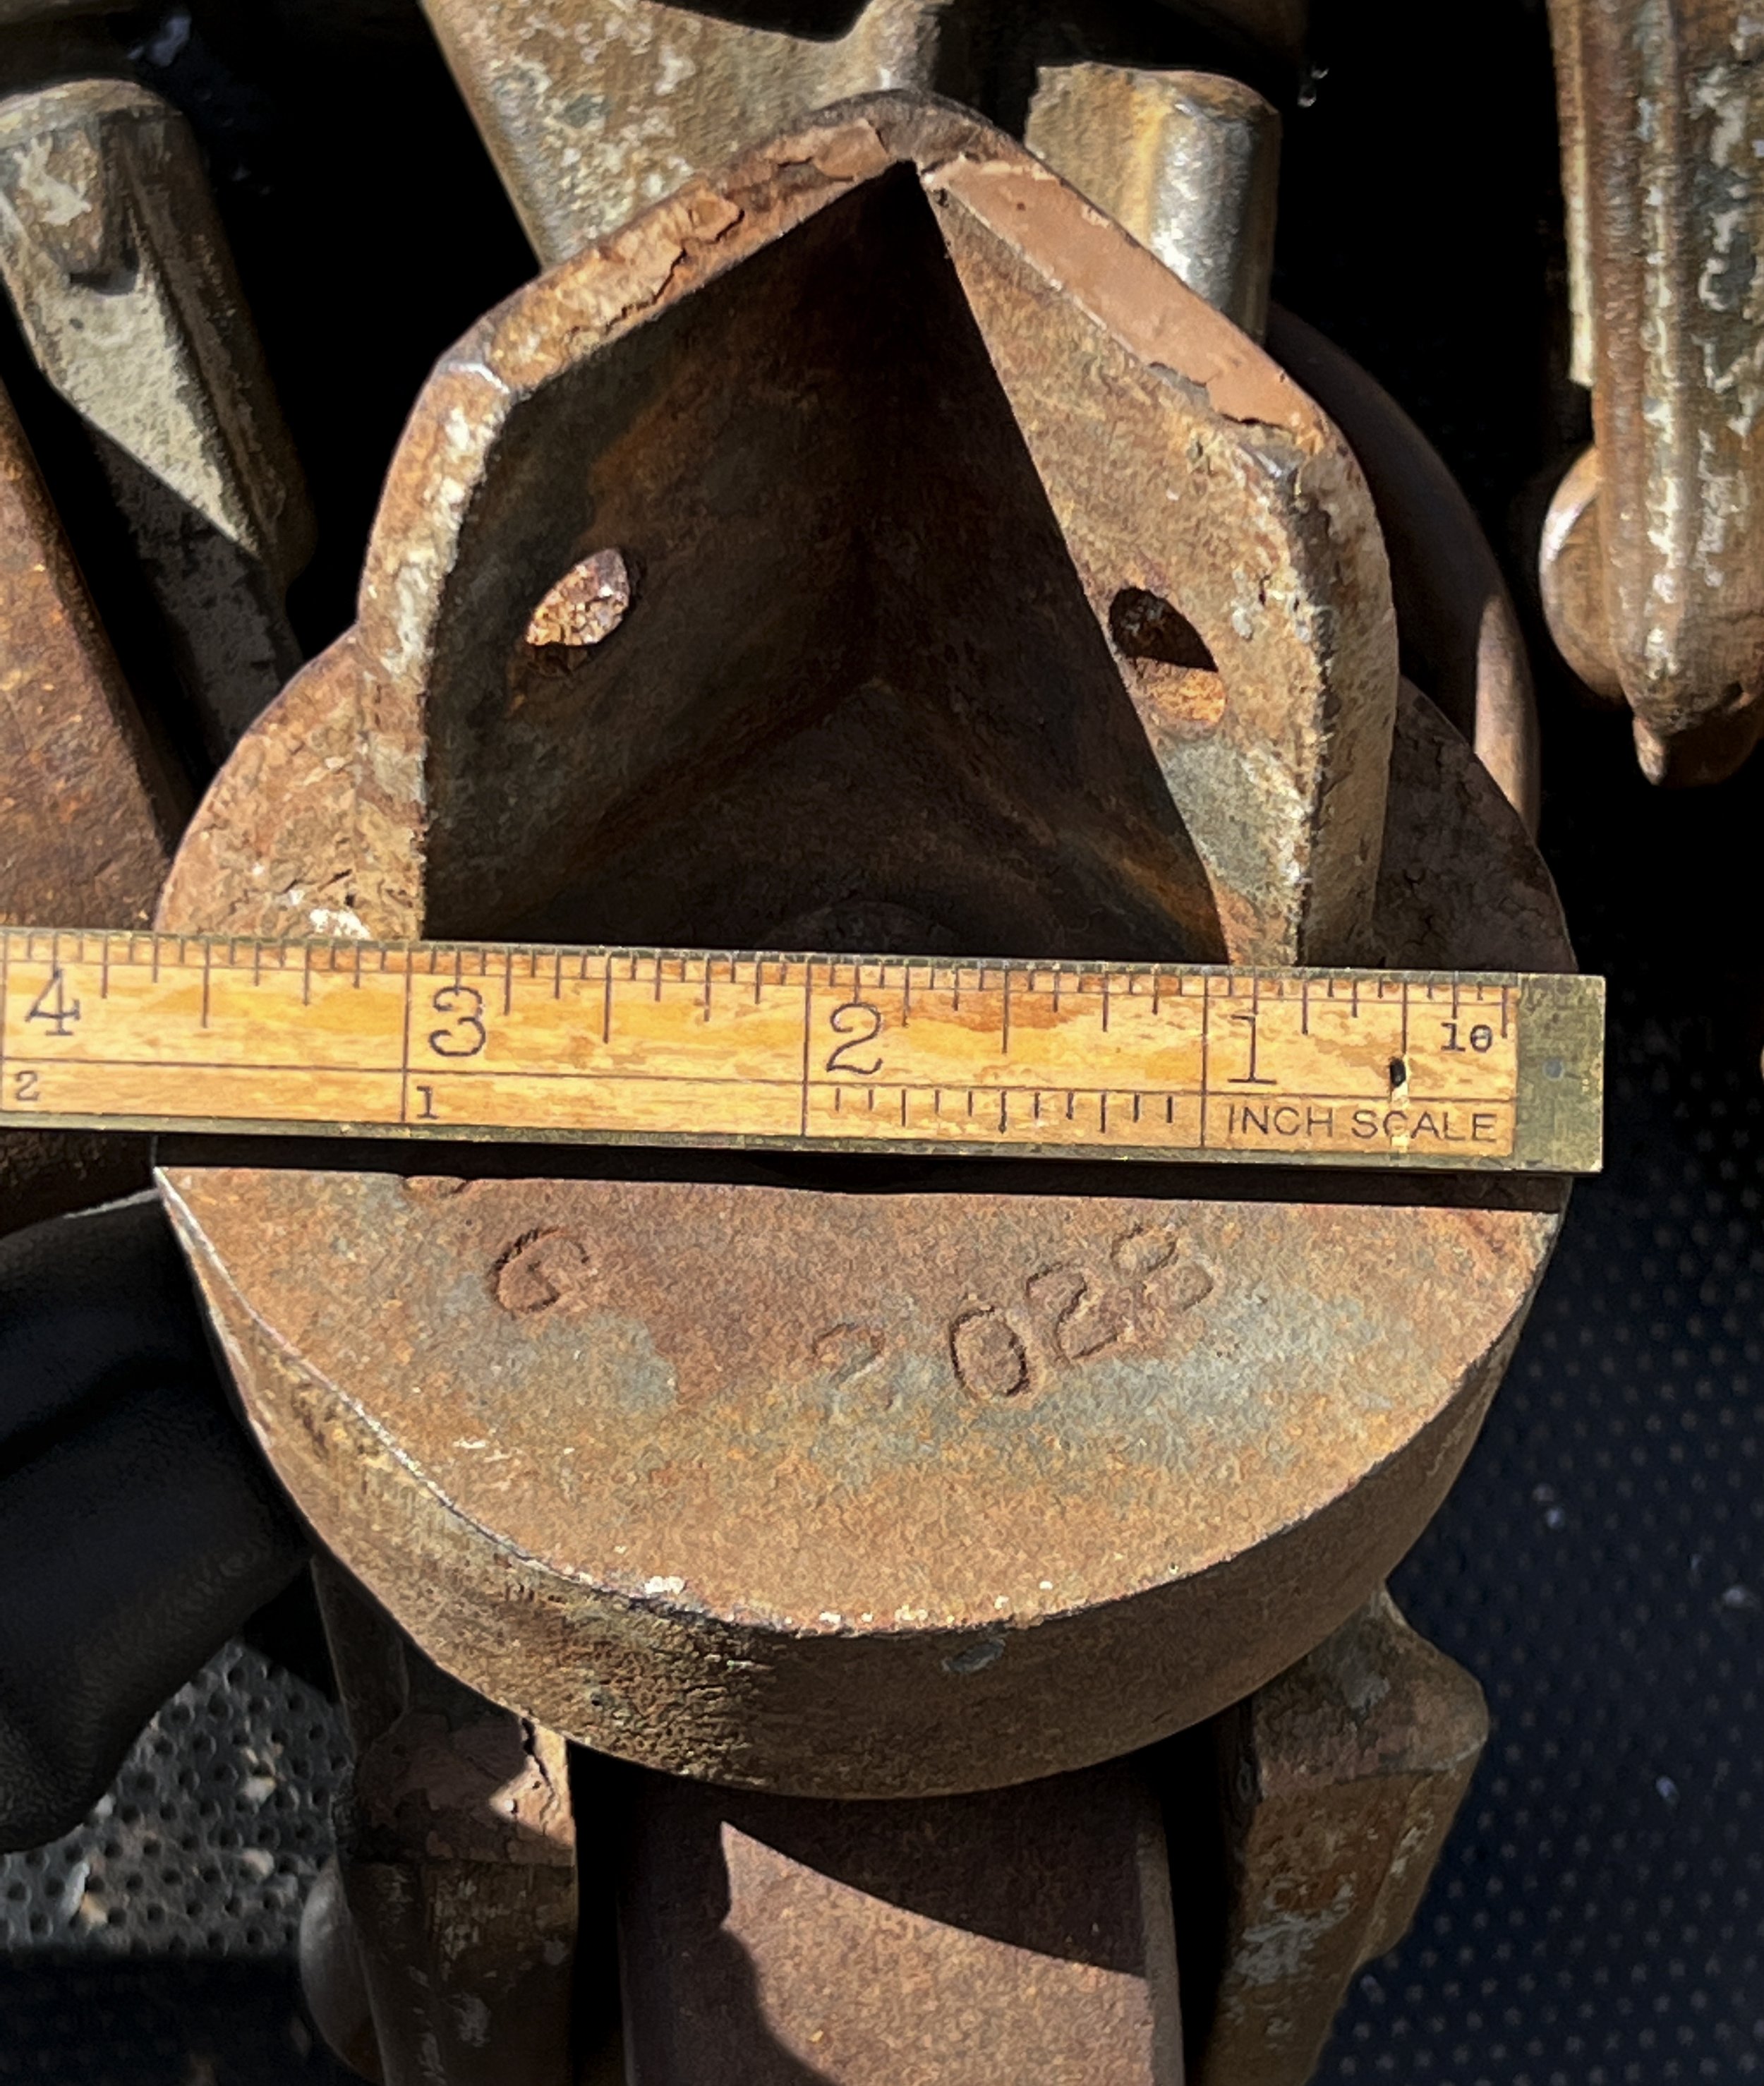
(428, 1039)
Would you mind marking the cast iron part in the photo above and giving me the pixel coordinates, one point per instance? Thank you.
(1180, 1439)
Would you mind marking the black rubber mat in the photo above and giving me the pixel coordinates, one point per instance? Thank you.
(1598, 1915)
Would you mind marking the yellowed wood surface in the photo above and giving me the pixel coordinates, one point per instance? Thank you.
(601, 1046)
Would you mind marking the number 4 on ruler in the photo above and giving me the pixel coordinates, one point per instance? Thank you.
(53, 1006)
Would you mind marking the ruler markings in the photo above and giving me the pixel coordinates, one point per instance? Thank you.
(1001, 1034)
(1206, 1046)
(808, 1038)
(404, 1050)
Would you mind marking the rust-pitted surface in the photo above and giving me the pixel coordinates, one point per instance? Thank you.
(955, 1389)
(1460, 635)
(1663, 103)
(593, 109)
(823, 1488)
(85, 823)
(1019, 1938)
(835, 1433)
(1340, 1780)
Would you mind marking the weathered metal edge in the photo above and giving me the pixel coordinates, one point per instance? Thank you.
(1561, 1110)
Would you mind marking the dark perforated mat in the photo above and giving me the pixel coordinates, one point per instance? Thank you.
(1598, 1915)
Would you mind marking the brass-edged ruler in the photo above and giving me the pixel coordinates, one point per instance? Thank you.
(1415, 1069)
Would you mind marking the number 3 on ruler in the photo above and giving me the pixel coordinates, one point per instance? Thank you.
(466, 1036)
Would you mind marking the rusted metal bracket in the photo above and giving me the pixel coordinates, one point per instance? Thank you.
(1661, 101)
(591, 108)
(1269, 720)
(116, 263)
(1461, 638)
(1189, 164)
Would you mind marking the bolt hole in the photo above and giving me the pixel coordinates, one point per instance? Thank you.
(1145, 626)
(582, 610)
(1180, 690)
(1399, 1073)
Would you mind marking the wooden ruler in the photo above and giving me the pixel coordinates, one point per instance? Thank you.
(848, 1054)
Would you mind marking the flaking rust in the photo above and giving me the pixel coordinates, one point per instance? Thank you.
(853, 1486)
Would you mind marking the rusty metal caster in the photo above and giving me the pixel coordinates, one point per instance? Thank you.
(869, 546)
